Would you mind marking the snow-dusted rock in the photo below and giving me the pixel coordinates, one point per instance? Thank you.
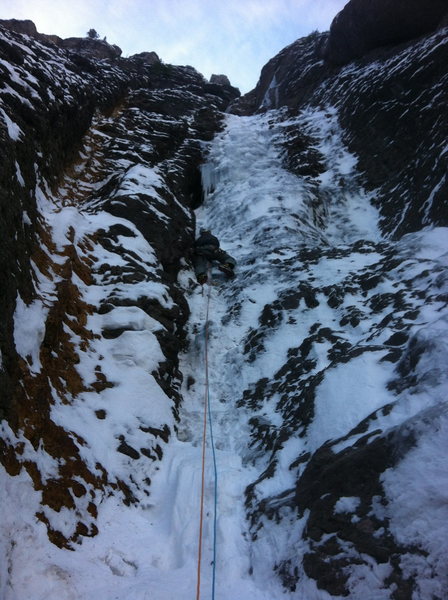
(92, 48)
(326, 353)
(100, 171)
(391, 105)
(362, 25)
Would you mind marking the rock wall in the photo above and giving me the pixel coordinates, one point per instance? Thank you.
(388, 103)
(364, 25)
(91, 47)
(100, 170)
(327, 377)
(100, 178)
(392, 107)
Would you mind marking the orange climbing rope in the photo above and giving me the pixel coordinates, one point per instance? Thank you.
(204, 435)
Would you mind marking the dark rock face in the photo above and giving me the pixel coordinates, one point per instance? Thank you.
(387, 103)
(116, 148)
(336, 321)
(26, 27)
(149, 58)
(390, 110)
(100, 174)
(389, 129)
(289, 78)
(364, 25)
(94, 48)
(220, 79)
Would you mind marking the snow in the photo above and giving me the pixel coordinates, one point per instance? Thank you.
(19, 175)
(346, 504)
(353, 216)
(431, 243)
(347, 395)
(242, 185)
(14, 130)
(263, 215)
(417, 491)
(130, 317)
(140, 179)
(29, 330)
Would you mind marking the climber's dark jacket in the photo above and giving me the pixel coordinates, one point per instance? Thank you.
(207, 251)
(206, 241)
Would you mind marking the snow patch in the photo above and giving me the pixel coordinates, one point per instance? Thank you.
(29, 330)
(14, 130)
(347, 504)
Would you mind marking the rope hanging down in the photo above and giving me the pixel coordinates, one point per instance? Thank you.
(204, 435)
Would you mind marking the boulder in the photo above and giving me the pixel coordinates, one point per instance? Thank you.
(91, 48)
(25, 27)
(363, 25)
(147, 58)
(220, 80)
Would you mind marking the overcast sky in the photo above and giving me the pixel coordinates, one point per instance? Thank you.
(233, 37)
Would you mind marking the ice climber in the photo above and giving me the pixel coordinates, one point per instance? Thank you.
(206, 253)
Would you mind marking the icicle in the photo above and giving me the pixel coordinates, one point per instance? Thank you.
(210, 178)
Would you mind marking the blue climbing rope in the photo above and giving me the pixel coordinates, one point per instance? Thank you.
(212, 443)
(207, 407)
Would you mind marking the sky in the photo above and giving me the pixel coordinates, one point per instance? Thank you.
(231, 37)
